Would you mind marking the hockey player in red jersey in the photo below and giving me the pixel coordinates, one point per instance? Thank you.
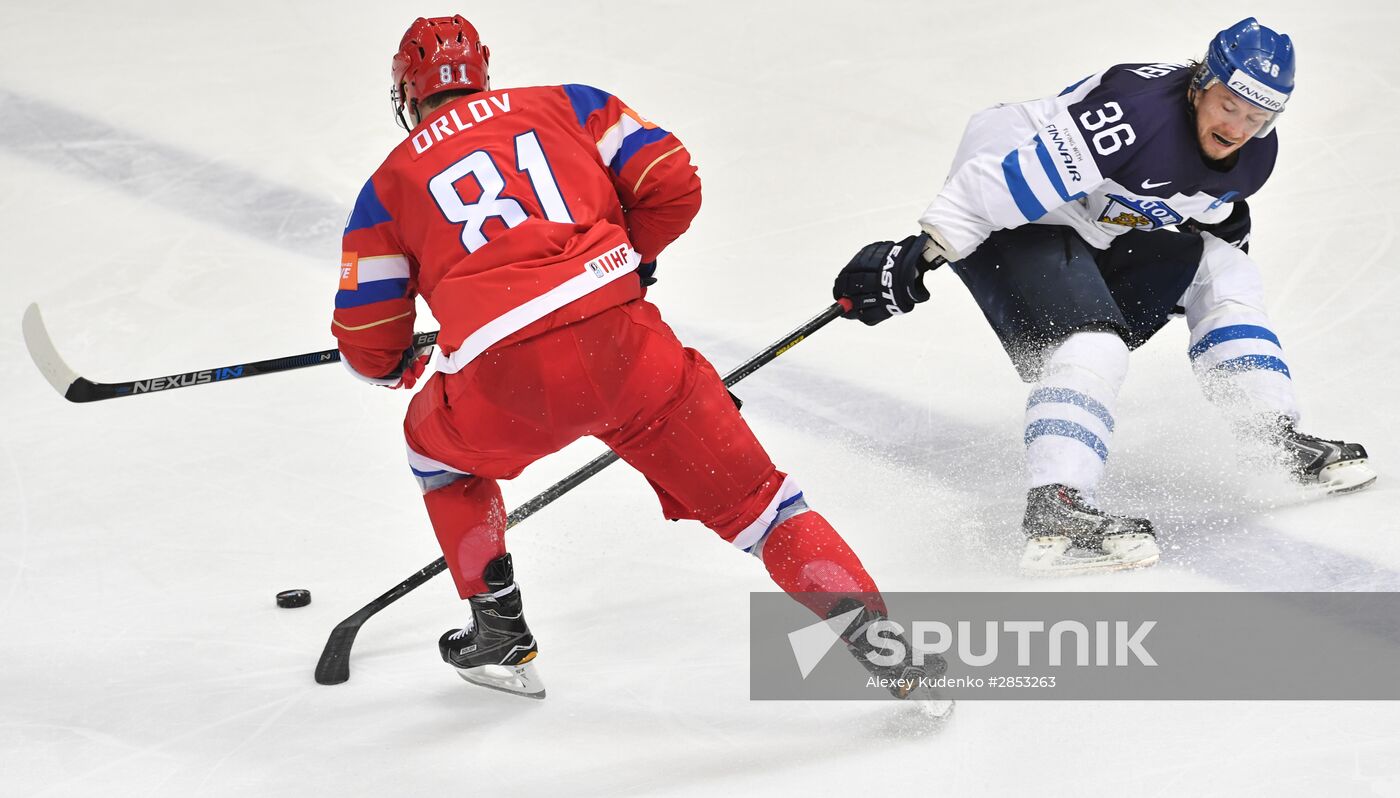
(530, 220)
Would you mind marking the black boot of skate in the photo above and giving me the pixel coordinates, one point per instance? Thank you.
(1066, 534)
(1334, 466)
(904, 679)
(496, 648)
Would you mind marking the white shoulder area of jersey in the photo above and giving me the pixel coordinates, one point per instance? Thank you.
(1078, 91)
(1066, 154)
(1216, 213)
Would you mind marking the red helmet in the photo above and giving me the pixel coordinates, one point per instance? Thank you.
(436, 55)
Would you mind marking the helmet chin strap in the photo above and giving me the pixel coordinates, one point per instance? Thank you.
(395, 98)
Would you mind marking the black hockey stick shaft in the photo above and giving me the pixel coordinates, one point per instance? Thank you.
(334, 665)
(83, 390)
(76, 388)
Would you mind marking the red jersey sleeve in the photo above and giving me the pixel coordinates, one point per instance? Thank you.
(650, 169)
(374, 309)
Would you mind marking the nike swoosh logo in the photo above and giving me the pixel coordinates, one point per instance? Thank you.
(1148, 185)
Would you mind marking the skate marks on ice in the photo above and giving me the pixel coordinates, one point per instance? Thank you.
(686, 715)
(192, 184)
(958, 496)
(1225, 517)
(1228, 516)
(706, 750)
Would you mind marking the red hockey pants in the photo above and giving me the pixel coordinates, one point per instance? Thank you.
(623, 377)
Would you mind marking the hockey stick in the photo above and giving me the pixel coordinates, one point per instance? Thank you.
(334, 665)
(76, 388)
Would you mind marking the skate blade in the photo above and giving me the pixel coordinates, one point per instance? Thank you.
(1053, 555)
(940, 709)
(931, 705)
(1348, 476)
(522, 680)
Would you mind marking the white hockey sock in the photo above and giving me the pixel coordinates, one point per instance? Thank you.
(1234, 351)
(1240, 365)
(1069, 414)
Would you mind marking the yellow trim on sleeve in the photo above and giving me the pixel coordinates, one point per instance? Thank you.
(337, 323)
(658, 160)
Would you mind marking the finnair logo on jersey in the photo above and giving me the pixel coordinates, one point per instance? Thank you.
(1256, 92)
(1142, 214)
(1068, 155)
(610, 261)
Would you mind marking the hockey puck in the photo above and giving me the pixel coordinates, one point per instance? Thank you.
(293, 598)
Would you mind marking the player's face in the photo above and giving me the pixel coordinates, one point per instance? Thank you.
(1224, 122)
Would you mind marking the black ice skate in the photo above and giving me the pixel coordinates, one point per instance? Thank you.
(1065, 534)
(496, 649)
(1333, 466)
(904, 680)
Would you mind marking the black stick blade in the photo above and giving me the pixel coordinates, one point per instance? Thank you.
(334, 665)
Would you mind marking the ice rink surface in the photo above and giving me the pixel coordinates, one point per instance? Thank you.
(174, 180)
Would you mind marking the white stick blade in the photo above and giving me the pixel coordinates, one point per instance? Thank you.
(41, 349)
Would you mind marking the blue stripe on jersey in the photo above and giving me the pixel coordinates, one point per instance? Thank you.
(369, 293)
(1254, 363)
(1029, 206)
(1048, 164)
(791, 506)
(1075, 85)
(585, 100)
(369, 211)
(789, 501)
(429, 481)
(1224, 198)
(634, 142)
(1067, 429)
(1066, 396)
(1232, 333)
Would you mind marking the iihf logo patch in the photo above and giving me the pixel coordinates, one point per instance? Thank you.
(609, 261)
(1142, 214)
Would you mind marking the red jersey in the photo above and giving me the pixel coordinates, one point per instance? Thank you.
(511, 212)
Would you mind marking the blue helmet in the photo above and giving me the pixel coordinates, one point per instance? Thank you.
(1254, 62)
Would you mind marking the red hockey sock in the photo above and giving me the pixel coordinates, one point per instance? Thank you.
(469, 518)
(808, 558)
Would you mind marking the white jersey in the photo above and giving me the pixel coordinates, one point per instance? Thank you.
(1115, 152)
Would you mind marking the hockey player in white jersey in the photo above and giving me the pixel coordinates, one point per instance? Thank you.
(1080, 223)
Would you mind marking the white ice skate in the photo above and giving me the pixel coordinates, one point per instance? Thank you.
(1346, 477)
(1330, 466)
(1067, 535)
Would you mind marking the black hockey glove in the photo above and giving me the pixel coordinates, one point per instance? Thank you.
(884, 279)
(647, 271)
(1233, 231)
